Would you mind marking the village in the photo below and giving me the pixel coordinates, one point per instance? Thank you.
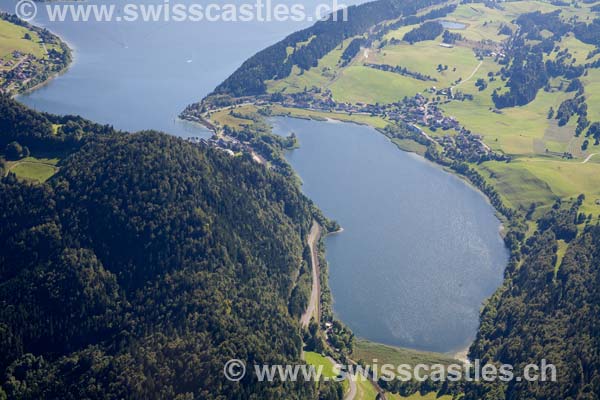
(17, 72)
(20, 71)
(414, 112)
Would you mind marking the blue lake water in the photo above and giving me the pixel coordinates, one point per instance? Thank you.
(453, 25)
(140, 75)
(421, 248)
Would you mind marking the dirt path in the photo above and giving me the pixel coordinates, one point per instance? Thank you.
(315, 295)
(470, 76)
(589, 158)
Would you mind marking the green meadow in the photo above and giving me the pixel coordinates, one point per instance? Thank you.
(360, 84)
(368, 351)
(537, 174)
(319, 361)
(365, 390)
(12, 38)
(376, 122)
(384, 354)
(424, 57)
(34, 169)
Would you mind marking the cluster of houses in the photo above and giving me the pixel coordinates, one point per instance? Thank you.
(20, 69)
(419, 110)
(227, 144)
(17, 71)
(466, 146)
(230, 145)
(412, 111)
(415, 111)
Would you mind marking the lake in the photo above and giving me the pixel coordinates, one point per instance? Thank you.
(421, 248)
(141, 75)
(453, 25)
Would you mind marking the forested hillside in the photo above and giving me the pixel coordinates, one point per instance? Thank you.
(144, 265)
(275, 63)
(547, 309)
(42, 131)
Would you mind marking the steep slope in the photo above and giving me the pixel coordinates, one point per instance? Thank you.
(542, 314)
(142, 267)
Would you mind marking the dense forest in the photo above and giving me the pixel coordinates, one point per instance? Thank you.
(144, 265)
(547, 309)
(527, 72)
(41, 131)
(353, 49)
(427, 31)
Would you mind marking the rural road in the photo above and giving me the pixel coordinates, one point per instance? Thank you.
(352, 392)
(315, 294)
(352, 382)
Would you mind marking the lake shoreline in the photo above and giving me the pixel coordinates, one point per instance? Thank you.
(285, 129)
(448, 170)
(327, 119)
(461, 353)
(65, 46)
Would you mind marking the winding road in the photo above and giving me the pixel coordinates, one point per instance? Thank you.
(315, 295)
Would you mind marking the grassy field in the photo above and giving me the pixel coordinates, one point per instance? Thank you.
(376, 122)
(568, 179)
(516, 130)
(537, 174)
(399, 33)
(577, 48)
(368, 351)
(538, 180)
(322, 75)
(35, 169)
(482, 23)
(518, 187)
(592, 93)
(317, 360)
(224, 117)
(365, 390)
(560, 253)
(362, 84)
(12, 38)
(410, 146)
(424, 57)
